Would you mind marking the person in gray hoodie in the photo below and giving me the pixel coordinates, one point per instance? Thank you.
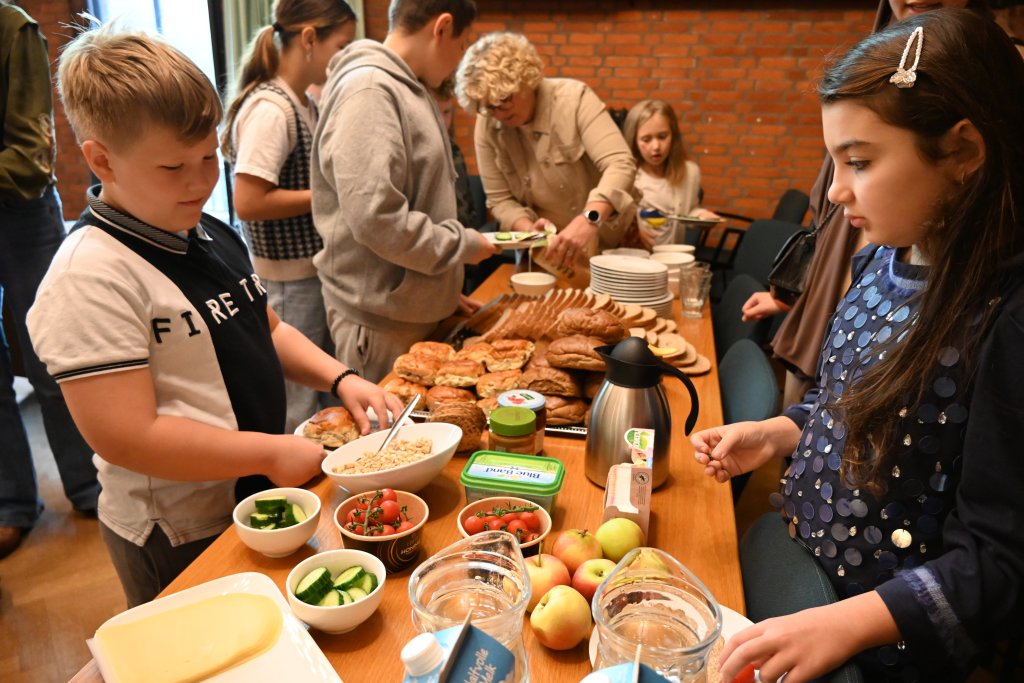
(383, 186)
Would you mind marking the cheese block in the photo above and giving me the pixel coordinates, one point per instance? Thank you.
(191, 642)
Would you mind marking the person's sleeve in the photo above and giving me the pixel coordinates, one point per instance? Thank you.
(262, 145)
(370, 186)
(504, 205)
(974, 592)
(800, 412)
(26, 160)
(609, 151)
(82, 324)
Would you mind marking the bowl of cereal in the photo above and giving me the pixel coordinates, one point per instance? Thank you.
(414, 458)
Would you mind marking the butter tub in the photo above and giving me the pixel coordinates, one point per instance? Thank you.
(490, 473)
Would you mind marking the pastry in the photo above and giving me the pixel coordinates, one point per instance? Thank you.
(417, 367)
(438, 395)
(509, 354)
(592, 323)
(565, 411)
(459, 373)
(468, 417)
(404, 389)
(331, 427)
(478, 352)
(493, 383)
(550, 381)
(488, 404)
(576, 352)
(438, 350)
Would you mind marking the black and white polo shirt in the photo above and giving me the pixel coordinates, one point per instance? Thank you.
(121, 295)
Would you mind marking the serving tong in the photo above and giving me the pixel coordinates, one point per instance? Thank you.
(393, 432)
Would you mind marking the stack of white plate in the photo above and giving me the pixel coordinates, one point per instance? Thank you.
(631, 280)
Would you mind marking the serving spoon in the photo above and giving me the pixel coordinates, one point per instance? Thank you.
(398, 422)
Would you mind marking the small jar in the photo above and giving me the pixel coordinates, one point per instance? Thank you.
(513, 430)
(524, 398)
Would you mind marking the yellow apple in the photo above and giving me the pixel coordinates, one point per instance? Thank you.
(545, 572)
(561, 620)
(618, 536)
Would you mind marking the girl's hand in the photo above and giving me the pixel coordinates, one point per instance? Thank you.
(295, 460)
(731, 450)
(704, 213)
(357, 394)
(761, 305)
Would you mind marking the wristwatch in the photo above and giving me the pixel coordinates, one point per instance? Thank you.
(593, 217)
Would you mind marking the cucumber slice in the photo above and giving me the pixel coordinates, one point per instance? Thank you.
(258, 520)
(502, 236)
(292, 515)
(356, 593)
(332, 599)
(298, 513)
(314, 586)
(346, 599)
(367, 582)
(349, 577)
(271, 504)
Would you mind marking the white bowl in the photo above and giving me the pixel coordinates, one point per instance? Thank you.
(673, 259)
(682, 248)
(278, 542)
(532, 283)
(627, 251)
(341, 618)
(411, 477)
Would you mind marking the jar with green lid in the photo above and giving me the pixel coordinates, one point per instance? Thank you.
(524, 398)
(513, 430)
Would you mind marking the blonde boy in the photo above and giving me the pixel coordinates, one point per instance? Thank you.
(154, 323)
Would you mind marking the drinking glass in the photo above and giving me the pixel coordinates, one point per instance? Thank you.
(694, 286)
(653, 608)
(483, 576)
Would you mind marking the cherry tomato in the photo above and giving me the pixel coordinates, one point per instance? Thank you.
(404, 526)
(473, 524)
(365, 502)
(383, 530)
(746, 675)
(388, 494)
(493, 523)
(509, 517)
(531, 520)
(518, 528)
(531, 537)
(389, 512)
(355, 528)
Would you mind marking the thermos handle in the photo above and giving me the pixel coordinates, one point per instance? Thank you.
(691, 419)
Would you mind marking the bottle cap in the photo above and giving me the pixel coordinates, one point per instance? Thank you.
(510, 421)
(422, 654)
(523, 398)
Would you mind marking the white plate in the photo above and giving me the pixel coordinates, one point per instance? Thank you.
(517, 240)
(295, 657)
(693, 220)
(627, 264)
(374, 423)
(732, 623)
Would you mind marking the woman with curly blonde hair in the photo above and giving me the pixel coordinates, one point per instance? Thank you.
(547, 150)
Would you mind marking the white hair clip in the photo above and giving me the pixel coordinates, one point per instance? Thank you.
(905, 78)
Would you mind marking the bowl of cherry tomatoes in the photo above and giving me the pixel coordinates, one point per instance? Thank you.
(385, 523)
(524, 519)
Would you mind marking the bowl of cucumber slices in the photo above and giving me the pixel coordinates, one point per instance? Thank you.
(277, 522)
(336, 590)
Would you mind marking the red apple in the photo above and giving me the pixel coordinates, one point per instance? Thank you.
(576, 546)
(618, 536)
(545, 572)
(589, 576)
(561, 620)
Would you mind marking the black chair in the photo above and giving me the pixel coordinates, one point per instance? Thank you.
(754, 255)
(792, 207)
(726, 317)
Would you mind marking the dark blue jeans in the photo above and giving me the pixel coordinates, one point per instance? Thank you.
(30, 233)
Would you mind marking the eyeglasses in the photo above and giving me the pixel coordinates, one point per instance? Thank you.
(504, 105)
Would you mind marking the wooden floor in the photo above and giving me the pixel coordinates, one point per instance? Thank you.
(59, 586)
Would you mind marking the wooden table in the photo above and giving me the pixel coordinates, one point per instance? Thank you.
(692, 519)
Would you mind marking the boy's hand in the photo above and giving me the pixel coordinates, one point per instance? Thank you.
(296, 460)
(731, 450)
(357, 395)
(484, 249)
(761, 305)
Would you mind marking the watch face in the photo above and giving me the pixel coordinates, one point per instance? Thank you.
(594, 216)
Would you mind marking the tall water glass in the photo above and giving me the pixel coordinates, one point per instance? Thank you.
(694, 287)
(653, 603)
(483, 576)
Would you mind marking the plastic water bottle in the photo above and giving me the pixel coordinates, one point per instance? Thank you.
(424, 658)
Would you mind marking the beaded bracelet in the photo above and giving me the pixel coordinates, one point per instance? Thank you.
(337, 381)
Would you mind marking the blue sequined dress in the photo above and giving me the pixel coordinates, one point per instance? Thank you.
(893, 543)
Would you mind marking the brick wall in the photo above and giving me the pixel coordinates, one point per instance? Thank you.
(72, 173)
(739, 72)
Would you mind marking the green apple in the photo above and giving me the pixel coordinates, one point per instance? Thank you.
(561, 620)
(618, 536)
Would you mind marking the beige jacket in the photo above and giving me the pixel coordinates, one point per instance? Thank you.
(571, 153)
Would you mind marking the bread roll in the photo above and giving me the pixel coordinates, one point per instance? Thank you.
(468, 417)
(592, 382)
(550, 381)
(459, 373)
(405, 390)
(592, 323)
(576, 353)
(478, 352)
(488, 404)
(417, 367)
(438, 395)
(565, 411)
(493, 383)
(509, 354)
(438, 350)
(331, 427)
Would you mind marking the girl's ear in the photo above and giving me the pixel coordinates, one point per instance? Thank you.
(98, 158)
(966, 149)
(307, 39)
